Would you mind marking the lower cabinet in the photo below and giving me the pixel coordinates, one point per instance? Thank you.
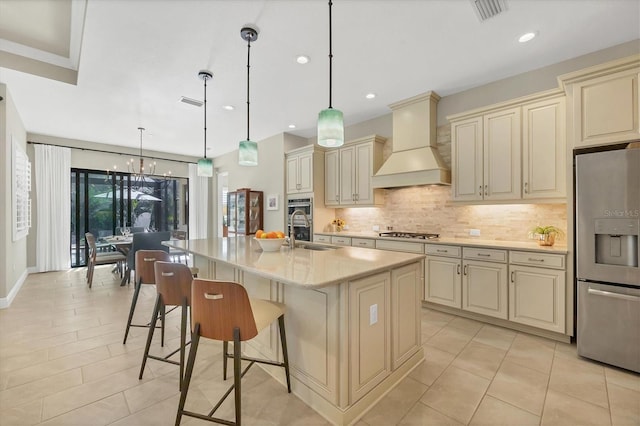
(406, 332)
(369, 322)
(484, 281)
(443, 281)
(537, 294)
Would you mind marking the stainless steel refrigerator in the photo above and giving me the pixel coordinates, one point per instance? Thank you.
(607, 214)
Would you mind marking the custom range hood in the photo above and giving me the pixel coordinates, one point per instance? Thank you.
(415, 159)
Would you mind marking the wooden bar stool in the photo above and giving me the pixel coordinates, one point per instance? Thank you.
(173, 284)
(145, 274)
(222, 311)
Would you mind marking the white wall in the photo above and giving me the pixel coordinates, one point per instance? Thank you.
(13, 254)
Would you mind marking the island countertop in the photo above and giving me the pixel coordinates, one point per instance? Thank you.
(299, 267)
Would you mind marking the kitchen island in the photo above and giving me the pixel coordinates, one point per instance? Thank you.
(352, 320)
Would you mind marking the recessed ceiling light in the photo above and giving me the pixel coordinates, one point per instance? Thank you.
(370, 95)
(302, 59)
(229, 107)
(292, 126)
(526, 37)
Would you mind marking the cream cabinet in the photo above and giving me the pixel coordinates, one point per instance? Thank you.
(544, 149)
(406, 332)
(305, 171)
(486, 156)
(341, 241)
(484, 282)
(348, 173)
(370, 323)
(537, 290)
(443, 275)
(332, 178)
(605, 102)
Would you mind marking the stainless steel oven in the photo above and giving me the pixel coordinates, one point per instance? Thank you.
(301, 232)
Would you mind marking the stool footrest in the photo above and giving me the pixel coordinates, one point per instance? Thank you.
(258, 360)
(209, 418)
(163, 359)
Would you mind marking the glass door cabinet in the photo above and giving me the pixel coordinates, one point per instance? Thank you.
(245, 211)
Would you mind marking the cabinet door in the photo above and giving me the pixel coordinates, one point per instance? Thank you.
(605, 109)
(331, 178)
(406, 332)
(292, 174)
(537, 297)
(501, 148)
(363, 164)
(543, 149)
(466, 157)
(347, 175)
(442, 281)
(369, 325)
(305, 172)
(484, 288)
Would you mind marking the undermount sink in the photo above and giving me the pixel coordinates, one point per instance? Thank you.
(316, 247)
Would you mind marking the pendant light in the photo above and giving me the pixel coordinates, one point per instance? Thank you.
(205, 165)
(140, 175)
(330, 122)
(248, 150)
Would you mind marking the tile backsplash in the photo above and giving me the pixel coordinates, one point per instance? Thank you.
(429, 209)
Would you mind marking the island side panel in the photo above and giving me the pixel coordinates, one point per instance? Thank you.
(406, 294)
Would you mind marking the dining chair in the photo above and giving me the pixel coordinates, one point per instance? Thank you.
(145, 274)
(173, 285)
(103, 258)
(222, 310)
(145, 241)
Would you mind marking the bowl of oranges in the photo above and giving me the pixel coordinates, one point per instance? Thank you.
(270, 241)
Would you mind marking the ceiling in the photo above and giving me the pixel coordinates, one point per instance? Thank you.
(97, 70)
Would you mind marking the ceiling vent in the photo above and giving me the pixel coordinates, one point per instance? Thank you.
(486, 9)
(190, 101)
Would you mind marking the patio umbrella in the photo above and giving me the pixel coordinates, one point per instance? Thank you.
(135, 195)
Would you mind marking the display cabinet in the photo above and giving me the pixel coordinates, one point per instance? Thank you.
(245, 208)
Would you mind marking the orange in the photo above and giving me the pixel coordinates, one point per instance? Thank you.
(259, 233)
(280, 234)
(263, 235)
(272, 235)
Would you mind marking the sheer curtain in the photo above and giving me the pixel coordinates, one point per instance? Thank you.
(198, 203)
(53, 197)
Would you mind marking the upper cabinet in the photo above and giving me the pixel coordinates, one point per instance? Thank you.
(543, 149)
(604, 102)
(511, 151)
(348, 172)
(304, 169)
(486, 156)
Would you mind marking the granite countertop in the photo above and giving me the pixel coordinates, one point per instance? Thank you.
(299, 267)
(528, 245)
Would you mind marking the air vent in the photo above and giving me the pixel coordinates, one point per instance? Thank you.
(190, 101)
(486, 9)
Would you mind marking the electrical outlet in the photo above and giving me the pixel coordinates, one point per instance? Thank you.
(373, 314)
(375, 228)
(474, 232)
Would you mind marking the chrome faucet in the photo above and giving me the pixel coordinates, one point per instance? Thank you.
(292, 234)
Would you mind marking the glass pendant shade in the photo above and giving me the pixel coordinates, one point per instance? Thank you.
(248, 153)
(330, 128)
(205, 167)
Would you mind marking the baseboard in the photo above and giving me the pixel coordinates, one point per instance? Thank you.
(5, 302)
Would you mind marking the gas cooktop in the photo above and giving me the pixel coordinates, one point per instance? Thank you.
(414, 235)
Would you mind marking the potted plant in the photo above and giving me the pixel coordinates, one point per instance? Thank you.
(545, 235)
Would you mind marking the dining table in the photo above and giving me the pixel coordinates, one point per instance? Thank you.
(122, 244)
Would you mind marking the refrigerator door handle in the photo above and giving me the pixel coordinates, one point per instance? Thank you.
(612, 295)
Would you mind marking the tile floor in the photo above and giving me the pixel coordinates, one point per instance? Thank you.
(62, 362)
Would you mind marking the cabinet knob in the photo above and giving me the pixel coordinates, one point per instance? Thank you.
(480, 191)
(458, 269)
(486, 192)
(466, 269)
(512, 278)
(526, 187)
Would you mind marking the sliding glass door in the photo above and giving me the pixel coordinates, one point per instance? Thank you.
(102, 203)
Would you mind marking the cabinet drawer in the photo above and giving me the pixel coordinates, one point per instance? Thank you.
(322, 238)
(341, 241)
(363, 242)
(490, 255)
(400, 246)
(543, 260)
(442, 250)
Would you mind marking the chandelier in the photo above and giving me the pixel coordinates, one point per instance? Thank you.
(140, 174)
